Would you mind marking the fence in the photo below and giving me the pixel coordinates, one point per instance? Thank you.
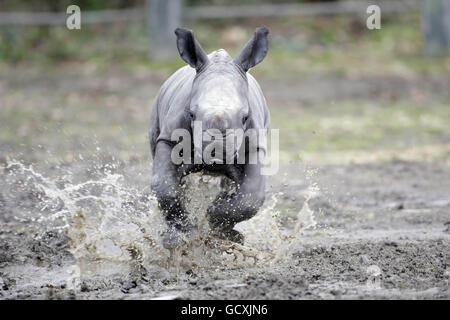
(207, 12)
(163, 16)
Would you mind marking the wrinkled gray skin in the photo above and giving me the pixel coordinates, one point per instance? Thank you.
(216, 90)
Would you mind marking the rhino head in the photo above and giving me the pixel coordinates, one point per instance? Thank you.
(219, 98)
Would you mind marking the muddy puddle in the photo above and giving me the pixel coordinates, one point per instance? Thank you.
(332, 232)
(110, 229)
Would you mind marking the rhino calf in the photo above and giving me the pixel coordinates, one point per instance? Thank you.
(216, 91)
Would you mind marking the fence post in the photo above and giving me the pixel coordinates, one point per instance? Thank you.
(163, 16)
(436, 25)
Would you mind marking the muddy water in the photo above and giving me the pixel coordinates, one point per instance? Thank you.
(113, 228)
(357, 231)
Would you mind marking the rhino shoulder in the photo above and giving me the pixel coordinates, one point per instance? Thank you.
(168, 108)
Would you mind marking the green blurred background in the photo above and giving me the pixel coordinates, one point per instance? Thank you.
(338, 91)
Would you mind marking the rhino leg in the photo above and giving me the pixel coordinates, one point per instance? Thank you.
(229, 209)
(166, 186)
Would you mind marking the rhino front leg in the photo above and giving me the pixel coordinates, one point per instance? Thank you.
(166, 186)
(227, 210)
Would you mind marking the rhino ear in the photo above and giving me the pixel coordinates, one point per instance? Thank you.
(190, 50)
(254, 51)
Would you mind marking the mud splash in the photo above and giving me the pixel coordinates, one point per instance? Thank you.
(114, 228)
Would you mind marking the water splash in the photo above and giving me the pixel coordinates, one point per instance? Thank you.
(113, 227)
(374, 277)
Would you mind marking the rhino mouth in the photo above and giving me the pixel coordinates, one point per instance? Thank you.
(211, 155)
(221, 158)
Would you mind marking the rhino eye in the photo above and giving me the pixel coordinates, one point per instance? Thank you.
(191, 115)
(244, 119)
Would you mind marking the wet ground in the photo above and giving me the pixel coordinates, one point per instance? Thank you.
(377, 221)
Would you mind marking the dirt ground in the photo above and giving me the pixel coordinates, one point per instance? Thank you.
(382, 209)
